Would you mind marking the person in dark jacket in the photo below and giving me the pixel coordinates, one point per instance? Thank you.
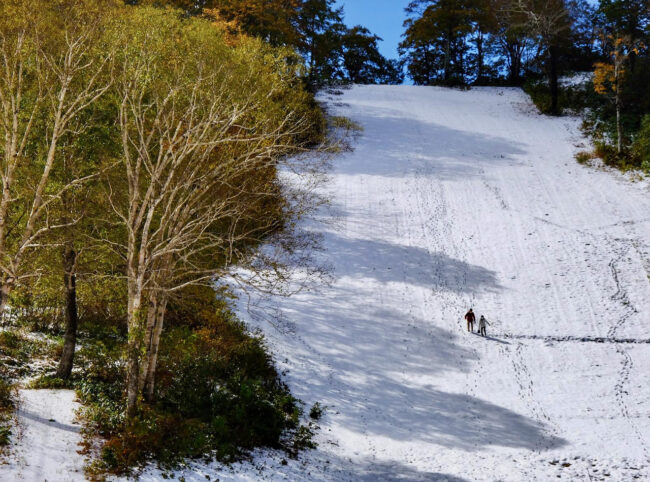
(481, 325)
(471, 318)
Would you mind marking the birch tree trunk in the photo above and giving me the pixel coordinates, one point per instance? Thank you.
(136, 330)
(152, 358)
(4, 298)
(148, 336)
(617, 82)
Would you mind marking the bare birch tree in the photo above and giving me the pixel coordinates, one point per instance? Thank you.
(200, 154)
(550, 22)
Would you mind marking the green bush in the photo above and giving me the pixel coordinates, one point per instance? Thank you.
(641, 146)
(316, 411)
(7, 406)
(217, 395)
(570, 98)
(49, 382)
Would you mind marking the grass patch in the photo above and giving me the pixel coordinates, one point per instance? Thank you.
(585, 157)
(341, 122)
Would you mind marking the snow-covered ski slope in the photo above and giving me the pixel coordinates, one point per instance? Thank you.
(456, 199)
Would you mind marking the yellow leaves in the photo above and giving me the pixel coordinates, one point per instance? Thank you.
(622, 47)
(604, 78)
(608, 76)
(230, 28)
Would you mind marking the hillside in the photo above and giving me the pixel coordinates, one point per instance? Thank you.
(450, 200)
(456, 199)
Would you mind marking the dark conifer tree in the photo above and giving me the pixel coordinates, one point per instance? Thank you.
(363, 62)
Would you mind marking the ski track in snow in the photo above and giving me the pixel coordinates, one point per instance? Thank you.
(454, 199)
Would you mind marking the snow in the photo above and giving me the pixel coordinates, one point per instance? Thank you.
(456, 199)
(577, 79)
(453, 200)
(46, 439)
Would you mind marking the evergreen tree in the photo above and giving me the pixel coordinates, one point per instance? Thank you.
(580, 51)
(439, 37)
(449, 41)
(363, 62)
(320, 31)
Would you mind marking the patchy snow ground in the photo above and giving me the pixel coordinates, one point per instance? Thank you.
(46, 439)
(454, 199)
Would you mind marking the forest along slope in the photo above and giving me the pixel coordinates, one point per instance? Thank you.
(456, 199)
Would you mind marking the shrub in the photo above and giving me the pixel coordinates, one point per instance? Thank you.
(641, 146)
(49, 381)
(18, 350)
(611, 157)
(316, 411)
(583, 157)
(570, 98)
(7, 406)
(217, 395)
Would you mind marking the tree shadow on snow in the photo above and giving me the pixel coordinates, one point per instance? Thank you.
(306, 468)
(35, 417)
(443, 153)
(359, 364)
(385, 471)
(366, 352)
(386, 262)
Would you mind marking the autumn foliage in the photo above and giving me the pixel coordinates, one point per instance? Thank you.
(140, 160)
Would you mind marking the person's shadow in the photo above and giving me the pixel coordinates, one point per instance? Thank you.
(490, 338)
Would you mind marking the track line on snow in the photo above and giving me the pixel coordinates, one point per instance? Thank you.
(621, 297)
(576, 339)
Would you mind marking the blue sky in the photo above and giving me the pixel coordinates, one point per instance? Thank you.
(381, 17)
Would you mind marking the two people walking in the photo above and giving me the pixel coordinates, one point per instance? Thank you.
(482, 322)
